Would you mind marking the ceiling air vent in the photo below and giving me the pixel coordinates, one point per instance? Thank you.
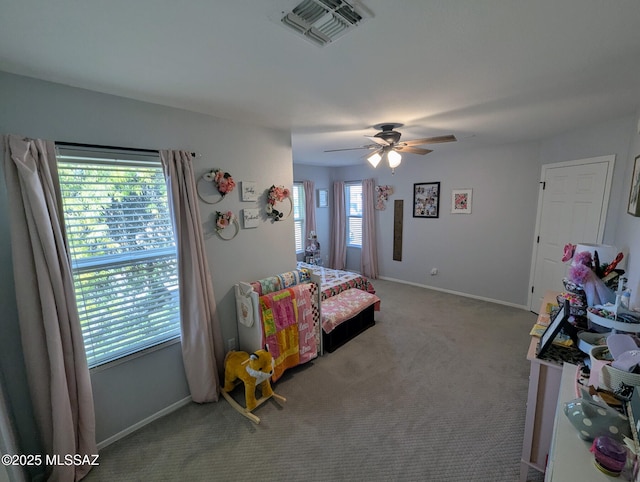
(323, 21)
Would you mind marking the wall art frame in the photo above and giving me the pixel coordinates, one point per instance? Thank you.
(249, 191)
(633, 207)
(250, 218)
(323, 198)
(559, 321)
(426, 199)
(461, 201)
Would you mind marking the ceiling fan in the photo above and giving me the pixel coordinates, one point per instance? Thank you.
(387, 144)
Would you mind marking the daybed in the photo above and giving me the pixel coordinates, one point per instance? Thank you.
(344, 316)
(286, 312)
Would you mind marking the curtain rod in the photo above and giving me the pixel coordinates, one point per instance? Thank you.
(98, 146)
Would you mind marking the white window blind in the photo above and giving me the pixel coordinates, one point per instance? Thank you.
(122, 250)
(354, 214)
(299, 215)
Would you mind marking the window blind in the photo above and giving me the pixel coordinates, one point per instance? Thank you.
(122, 250)
(354, 214)
(299, 216)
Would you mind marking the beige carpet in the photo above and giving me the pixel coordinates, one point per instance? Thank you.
(436, 391)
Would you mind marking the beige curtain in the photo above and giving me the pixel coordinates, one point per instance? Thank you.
(338, 248)
(369, 253)
(8, 437)
(202, 346)
(309, 209)
(52, 342)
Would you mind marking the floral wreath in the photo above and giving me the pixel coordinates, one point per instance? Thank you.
(223, 182)
(275, 195)
(223, 221)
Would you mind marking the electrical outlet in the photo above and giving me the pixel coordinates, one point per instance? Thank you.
(231, 344)
(434, 271)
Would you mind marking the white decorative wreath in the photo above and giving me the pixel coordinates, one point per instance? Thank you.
(223, 221)
(223, 182)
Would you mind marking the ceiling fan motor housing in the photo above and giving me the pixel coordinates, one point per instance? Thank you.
(388, 134)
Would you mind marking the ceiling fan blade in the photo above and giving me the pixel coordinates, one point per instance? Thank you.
(412, 150)
(378, 140)
(429, 140)
(349, 149)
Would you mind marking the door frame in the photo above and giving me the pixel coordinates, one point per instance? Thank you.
(610, 159)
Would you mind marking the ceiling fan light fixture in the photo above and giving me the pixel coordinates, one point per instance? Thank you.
(394, 159)
(374, 159)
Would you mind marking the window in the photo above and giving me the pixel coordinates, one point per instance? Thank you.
(353, 196)
(298, 215)
(122, 249)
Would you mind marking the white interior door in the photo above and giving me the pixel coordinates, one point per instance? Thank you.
(572, 208)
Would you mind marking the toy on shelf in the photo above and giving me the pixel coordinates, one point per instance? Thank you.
(253, 370)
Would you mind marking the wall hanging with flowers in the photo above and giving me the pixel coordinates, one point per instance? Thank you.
(383, 194)
(276, 195)
(221, 181)
(227, 225)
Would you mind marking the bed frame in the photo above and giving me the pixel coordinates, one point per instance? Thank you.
(348, 330)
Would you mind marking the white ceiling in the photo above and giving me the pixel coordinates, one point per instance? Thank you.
(488, 71)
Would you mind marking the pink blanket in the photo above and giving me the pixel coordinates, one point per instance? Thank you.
(288, 327)
(345, 305)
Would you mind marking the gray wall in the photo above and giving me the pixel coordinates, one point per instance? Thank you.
(486, 254)
(130, 392)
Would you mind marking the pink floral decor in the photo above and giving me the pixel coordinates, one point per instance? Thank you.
(223, 181)
(383, 194)
(224, 220)
(587, 273)
(276, 194)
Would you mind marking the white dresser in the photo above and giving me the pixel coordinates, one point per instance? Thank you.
(569, 457)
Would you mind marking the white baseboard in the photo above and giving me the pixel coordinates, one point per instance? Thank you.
(171, 408)
(459, 293)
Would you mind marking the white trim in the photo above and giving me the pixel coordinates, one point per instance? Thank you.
(136, 426)
(458, 293)
(611, 160)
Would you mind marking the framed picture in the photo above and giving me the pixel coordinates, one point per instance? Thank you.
(250, 218)
(461, 201)
(426, 200)
(561, 318)
(323, 198)
(249, 191)
(634, 192)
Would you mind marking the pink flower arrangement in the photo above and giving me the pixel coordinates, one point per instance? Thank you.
(223, 181)
(276, 194)
(224, 219)
(584, 258)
